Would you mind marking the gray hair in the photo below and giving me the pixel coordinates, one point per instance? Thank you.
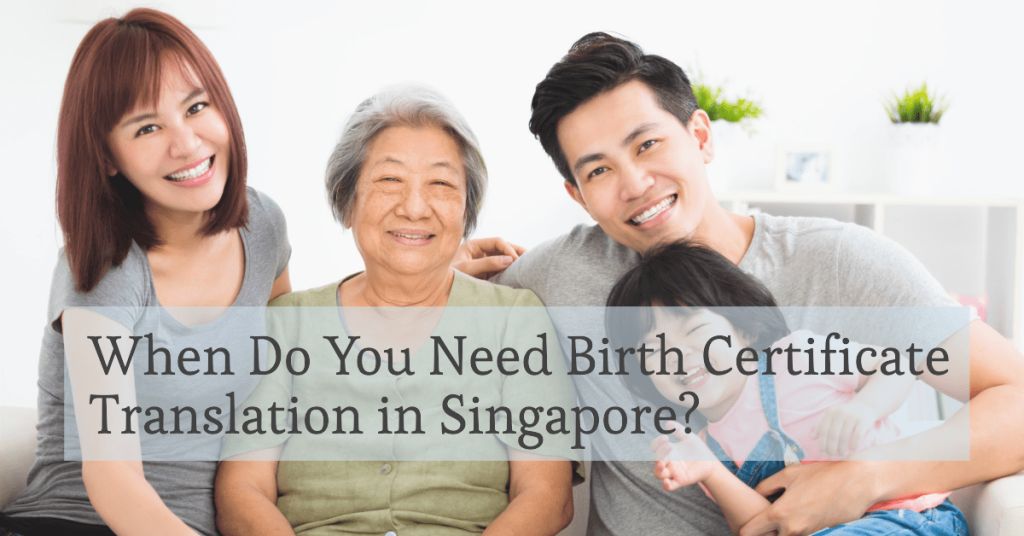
(410, 105)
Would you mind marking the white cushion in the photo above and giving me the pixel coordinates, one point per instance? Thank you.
(17, 450)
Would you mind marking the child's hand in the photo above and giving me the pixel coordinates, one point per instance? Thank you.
(684, 463)
(841, 430)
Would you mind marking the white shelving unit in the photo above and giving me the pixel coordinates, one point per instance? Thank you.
(972, 246)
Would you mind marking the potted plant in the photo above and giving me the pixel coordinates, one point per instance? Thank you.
(728, 118)
(915, 159)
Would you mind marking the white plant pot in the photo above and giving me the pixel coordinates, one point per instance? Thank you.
(915, 162)
(726, 138)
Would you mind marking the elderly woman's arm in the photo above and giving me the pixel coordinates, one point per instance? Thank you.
(246, 496)
(540, 496)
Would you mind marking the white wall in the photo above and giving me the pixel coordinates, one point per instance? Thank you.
(820, 68)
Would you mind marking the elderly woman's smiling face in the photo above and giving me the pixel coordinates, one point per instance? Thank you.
(409, 211)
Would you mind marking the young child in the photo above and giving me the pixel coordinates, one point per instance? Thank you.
(692, 294)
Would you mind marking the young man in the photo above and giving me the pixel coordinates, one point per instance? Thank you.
(626, 134)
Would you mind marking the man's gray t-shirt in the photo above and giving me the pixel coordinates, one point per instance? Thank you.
(126, 294)
(802, 261)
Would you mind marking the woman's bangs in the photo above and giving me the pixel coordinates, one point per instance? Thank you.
(136, 71)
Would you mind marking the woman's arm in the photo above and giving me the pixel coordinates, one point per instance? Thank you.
(112, 470)
(128, 504)
(540, 496)
(246, 495)
(245, 490)
(282, 285)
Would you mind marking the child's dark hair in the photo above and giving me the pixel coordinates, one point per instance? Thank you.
(690, 275)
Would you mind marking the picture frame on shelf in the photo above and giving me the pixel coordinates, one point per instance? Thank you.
(805, 166)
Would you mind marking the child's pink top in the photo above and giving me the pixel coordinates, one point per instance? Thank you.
(803, 401)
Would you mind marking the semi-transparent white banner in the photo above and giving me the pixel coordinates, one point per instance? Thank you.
(469, 383)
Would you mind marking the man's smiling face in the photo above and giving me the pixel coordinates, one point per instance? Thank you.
(639, 171)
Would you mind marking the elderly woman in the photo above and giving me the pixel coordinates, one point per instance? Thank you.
(407, 178)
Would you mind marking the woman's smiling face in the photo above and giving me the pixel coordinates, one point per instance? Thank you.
(409, 212)
(176, 150)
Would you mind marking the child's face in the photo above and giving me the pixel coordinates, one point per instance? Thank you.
(689, 331)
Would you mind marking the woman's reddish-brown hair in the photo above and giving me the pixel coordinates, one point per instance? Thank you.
(117, 66)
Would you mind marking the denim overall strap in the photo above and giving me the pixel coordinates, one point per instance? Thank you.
(774, 450)
(719, 453)
(770, 405)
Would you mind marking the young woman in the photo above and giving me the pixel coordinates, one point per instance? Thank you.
(156, 217)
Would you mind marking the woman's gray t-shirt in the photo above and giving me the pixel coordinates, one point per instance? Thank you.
(126, 294)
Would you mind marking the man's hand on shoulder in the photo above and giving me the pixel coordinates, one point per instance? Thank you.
(484, 258)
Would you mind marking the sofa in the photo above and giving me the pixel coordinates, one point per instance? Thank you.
(992, 509)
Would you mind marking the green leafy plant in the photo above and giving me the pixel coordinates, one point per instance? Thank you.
(717, 107)
(916, 106)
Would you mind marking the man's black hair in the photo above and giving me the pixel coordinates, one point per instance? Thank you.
(689, 275)
(597, 63)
